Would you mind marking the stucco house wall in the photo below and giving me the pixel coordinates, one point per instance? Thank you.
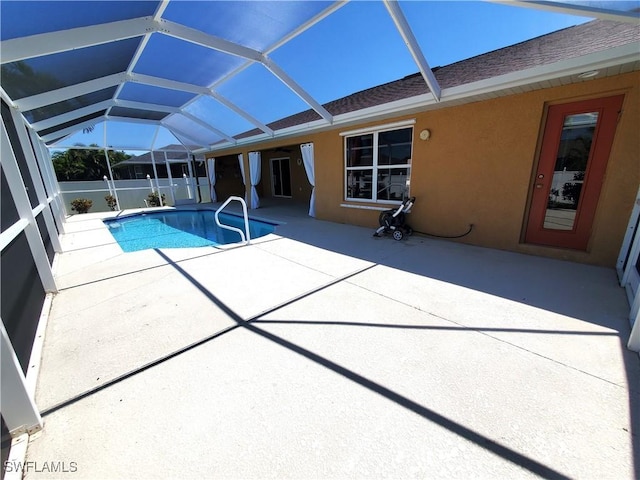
(478, 165)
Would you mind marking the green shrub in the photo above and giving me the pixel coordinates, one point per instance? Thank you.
(81, 205)
(111, 202)
(154, 201)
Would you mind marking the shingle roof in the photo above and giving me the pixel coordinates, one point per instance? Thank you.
(564, 44)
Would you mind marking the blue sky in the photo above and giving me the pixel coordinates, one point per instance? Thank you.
(358, 47)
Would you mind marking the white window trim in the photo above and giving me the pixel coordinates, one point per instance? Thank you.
(375, 167)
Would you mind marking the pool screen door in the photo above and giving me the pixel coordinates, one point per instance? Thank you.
(280, 177)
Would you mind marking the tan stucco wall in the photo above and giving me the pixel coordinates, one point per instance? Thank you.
(477, 168)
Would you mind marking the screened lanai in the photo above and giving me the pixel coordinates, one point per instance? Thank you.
(210, 75)
(206, 76)
(208, 71)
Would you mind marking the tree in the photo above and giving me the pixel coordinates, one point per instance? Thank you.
(67, 166)
(78, 164)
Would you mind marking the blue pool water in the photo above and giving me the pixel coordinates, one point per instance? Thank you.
(180, 229)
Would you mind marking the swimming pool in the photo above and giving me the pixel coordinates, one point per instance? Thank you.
(180, 229)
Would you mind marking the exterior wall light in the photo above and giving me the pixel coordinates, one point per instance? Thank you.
(425, 134)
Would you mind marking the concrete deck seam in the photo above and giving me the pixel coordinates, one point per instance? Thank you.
(216, 250)
(131, 272)
(495, 338)
(371, 264)
(195, 344)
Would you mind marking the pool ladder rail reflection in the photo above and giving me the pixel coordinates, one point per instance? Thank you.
(244, 236)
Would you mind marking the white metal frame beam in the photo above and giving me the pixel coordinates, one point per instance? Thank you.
(251, 119)
(43, 157)
(82, 37)
(70, 130)
(208, 126)
(302, 28)
(36, 179)
(297, 89)
(72, 115)
(19, 409)
(42, 44)
(143, 44)
(145, 106)
(67, 93)
(627, 246)
(25, 211)
(209, 41)
(182, 133)
(414, 48)
(166, 83)
(198, 37)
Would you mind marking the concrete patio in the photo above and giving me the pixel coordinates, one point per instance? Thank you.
(322, 352)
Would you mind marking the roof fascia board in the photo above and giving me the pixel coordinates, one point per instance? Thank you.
(410, 41)
(32, 46)
(297, 89)
(595, 61)
(72, 115)
(65, 93)
(573, 9)
(208, 126)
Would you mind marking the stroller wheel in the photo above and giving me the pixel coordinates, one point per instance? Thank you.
(398, 235)
(409, 231)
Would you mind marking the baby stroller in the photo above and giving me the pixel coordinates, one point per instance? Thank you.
(393, 221)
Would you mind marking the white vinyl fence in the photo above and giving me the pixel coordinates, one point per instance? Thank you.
(133, 193)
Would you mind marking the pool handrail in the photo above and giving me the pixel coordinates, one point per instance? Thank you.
(245, 236)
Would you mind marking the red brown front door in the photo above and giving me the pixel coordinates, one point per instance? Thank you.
(575, 149)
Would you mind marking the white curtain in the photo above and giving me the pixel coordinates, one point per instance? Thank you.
(307, 158)
(212, 179)
(255, 171)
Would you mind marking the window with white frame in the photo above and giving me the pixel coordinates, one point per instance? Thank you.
(378, 165)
